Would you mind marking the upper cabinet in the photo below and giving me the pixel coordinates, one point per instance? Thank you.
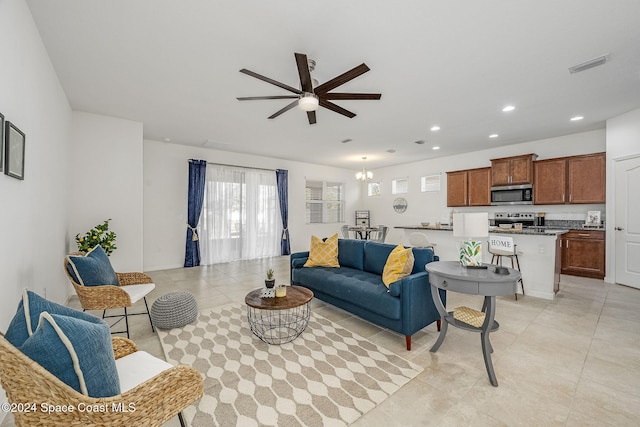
(576, 179)
(549, 184)
(587, 178)
(470, 187)
(512, 170)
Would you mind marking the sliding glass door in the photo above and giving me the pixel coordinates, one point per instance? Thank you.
(240, 217)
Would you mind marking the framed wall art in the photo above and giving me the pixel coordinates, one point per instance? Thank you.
(14, 141)
(593, 218)
(1, 142)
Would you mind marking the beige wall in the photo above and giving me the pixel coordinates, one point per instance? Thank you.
(107, 183)
(33, 214)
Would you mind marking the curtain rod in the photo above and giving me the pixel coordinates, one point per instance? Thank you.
(238, 166)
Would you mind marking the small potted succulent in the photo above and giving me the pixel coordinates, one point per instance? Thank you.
(270, 282)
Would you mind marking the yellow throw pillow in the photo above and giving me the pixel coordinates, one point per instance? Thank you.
(399, 264)
(323, 254)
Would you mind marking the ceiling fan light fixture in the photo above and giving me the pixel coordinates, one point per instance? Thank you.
(308, 102)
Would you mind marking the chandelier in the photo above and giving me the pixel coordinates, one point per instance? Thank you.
(364, 174)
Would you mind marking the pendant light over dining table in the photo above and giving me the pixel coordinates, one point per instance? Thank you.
(364, 174)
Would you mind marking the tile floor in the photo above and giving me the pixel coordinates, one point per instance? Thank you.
(571, 362)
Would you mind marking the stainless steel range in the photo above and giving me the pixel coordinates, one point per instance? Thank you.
(527, 219)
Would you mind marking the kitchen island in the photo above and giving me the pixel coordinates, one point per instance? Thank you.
(539, 248)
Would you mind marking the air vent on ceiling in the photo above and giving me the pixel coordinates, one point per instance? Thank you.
(589, 64)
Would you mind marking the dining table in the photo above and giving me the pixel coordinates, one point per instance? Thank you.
(362, 232)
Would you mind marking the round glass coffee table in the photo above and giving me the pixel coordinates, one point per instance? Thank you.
(279, 320)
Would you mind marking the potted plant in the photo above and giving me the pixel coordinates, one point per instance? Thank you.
(269, 282)
(99, 235)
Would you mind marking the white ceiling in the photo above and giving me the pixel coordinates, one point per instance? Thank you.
(173, 65)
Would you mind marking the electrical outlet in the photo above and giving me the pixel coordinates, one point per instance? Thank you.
(541, 250)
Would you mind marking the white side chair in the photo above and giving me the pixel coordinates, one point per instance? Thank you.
(504, 247)
(419, 240)
(345, 231)
(380, 235)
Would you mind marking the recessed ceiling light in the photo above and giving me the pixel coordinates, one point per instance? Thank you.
(493, 135)
(508, 108)
(435, 148)
(167, 140)
(391, 150)
(435, 128)
(576, 118)
(419, 142)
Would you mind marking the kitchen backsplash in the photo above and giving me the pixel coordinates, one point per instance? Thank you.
(566, 223)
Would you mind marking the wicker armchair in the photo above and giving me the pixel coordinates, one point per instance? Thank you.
(132, 288)
(150, 403)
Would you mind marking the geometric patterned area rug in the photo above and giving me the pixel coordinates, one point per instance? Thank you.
(328, 376)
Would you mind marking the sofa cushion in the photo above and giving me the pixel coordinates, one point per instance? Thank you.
(351, 253)
(27, 316)
(422, 257)
(77, 351)
(375, 256)
(93, 269)
(355, 286)
(399, 264)
(323, 253)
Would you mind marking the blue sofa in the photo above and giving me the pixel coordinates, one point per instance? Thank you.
(356, 286)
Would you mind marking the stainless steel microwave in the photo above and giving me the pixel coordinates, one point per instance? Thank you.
(512, 195)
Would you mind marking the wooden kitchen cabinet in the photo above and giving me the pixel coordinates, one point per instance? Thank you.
(479, 186)
(583, 253)
(576, 179)
(470, 187)
(586, 178)
(512, 170)
(457, 188)
(549, 183)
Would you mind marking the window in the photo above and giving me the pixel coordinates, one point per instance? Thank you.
(430, 183)
(399, 186)
(374, 189)
(324, 202)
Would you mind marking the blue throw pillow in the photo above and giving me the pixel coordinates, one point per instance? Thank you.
(26, 319)
(77, 351)
(93, 269)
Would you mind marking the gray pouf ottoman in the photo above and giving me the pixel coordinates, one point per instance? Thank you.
(174, 310)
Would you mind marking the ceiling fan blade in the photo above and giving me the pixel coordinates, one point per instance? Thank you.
(254, 98)
(311, 115)
(283, 110)
(346, 96)
(342, 79)
(333, 107)
(303, 72)
(268, 80)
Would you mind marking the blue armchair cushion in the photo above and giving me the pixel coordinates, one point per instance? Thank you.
(27, 316)
(93, 269)
(77, 351)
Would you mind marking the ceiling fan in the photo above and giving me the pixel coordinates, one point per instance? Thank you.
(310, 97)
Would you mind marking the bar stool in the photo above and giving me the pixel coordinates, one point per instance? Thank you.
(500, 247)
(419, 240)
